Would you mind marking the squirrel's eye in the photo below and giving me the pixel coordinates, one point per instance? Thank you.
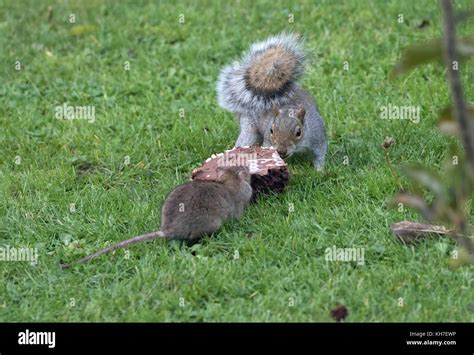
(298, 132)
(271, 130)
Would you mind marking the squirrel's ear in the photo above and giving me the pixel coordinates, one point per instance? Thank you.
(276, 111)
(300, 114)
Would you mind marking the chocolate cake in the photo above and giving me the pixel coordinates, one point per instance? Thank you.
(269, 173)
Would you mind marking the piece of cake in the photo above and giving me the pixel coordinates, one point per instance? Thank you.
(269, 173)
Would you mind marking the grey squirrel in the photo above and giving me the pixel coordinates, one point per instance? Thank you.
(196, 208)
(271, 107)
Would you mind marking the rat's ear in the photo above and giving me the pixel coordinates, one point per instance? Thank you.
(300, 114)
(244, 174)
(220, 172)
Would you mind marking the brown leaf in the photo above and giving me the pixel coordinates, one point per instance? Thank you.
(339, 313)
(410, 232)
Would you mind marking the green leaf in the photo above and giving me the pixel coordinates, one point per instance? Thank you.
(448, 124)
(78, 30)
(425, 177)
(465, 48)
(462, 258)
(66, 238)
(429, 51)
(416, 202)
(464, 15)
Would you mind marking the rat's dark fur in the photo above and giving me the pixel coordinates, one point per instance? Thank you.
(197, 208)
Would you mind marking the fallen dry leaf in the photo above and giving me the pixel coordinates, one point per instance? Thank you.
(339, 313)
(410, 232)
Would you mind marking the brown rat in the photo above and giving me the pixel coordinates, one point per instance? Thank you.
(197, 208)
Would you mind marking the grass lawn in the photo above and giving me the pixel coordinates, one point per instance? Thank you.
(69, 187)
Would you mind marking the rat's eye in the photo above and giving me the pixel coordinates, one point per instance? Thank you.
(298, 132)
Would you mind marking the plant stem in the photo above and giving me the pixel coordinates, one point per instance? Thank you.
(451, 57)
(392, 170)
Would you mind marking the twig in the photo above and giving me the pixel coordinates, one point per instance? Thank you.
(459, 105)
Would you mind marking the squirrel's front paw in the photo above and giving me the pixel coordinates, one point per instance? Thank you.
(319, 165)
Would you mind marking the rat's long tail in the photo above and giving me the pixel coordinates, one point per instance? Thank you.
(265, 76)
(122, 244)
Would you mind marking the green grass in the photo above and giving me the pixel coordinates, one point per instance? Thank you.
(175, 66)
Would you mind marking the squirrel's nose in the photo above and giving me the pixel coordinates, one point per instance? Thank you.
(282, 152)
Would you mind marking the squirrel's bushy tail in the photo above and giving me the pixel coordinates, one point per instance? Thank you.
(264, 76)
